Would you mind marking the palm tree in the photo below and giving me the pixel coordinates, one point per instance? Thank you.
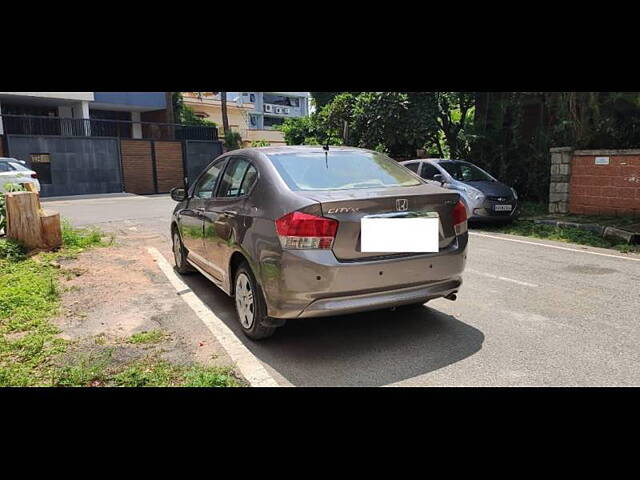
(225, 116)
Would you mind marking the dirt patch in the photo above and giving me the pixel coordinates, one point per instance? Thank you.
(109, 294)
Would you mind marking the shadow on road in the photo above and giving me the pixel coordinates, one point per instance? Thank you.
(366, 349)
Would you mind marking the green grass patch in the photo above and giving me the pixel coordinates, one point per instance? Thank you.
(527, 228)
(29, 296)
(152, 336)
(98, 370)
(31, 352)
(533, 209)
(163, 374)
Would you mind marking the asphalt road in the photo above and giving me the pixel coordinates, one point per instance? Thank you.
(530, 312)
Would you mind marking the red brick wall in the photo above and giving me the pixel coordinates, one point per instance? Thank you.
(169, 165)
(612, 189)
(137, 166)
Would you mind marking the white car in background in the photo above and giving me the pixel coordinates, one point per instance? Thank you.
(14, 171)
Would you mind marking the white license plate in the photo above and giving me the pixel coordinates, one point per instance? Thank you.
(502, 208)
(396, 235)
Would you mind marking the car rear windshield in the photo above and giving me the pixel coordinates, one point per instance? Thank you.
(340, 170)
(465, 172)
(18, 166)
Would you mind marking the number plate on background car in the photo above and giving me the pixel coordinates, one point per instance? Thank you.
(502, 208)
(399, 235)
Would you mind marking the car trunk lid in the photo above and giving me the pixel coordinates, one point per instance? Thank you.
(348, 207)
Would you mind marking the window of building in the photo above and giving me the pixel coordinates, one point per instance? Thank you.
(269, 122)
(281, 100)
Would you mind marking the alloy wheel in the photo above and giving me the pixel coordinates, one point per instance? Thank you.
(177, 249)
(244, 301)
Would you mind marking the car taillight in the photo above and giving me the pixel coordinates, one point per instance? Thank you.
(299, 230)
(34, 175)
(460, 218)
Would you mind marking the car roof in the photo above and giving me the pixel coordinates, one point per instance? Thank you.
(280, 149)
(434, 160)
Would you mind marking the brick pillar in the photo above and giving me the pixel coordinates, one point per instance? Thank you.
(560, 178)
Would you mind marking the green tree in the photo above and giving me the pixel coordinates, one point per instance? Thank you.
(394, 122)
(453, 115)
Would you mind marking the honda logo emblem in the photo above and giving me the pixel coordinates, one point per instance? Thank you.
(402, 205)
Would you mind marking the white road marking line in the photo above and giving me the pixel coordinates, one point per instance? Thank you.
(519, 282)
(554, 246)
(247, 363)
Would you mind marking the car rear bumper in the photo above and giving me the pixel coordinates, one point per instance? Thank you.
(378, 300)
(313, 283)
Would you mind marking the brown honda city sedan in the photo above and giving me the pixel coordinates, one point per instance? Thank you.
(296, 232)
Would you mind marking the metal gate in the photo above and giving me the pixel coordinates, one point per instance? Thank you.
(151, 166)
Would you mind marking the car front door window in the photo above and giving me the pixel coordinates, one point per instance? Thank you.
(428, 171)
(413, 166)
(207, 184)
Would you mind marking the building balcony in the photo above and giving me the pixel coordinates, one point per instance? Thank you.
(74, 127)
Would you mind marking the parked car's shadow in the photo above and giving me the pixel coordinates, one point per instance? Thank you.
(366, 349)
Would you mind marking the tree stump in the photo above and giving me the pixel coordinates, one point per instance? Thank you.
(51, 231)
(29, 224)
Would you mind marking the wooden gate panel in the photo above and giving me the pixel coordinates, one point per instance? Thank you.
(137, 166)
(169, 165)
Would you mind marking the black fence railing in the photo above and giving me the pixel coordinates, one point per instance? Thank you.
(80, 127)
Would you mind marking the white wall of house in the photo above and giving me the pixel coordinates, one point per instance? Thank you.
(136, 130)
(80, 96)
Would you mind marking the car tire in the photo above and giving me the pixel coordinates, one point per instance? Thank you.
(180, 255)
(251, 307)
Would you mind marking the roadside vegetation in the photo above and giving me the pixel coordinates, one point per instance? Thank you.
(153, 336)
(526, 227)
(33, 354)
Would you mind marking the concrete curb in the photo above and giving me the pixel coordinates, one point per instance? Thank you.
(611, 233)
(246, 362)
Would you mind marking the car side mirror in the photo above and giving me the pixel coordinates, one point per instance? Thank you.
(178, 194)
(439, 178)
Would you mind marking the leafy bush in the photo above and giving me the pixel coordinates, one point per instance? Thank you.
(232, 140)
(8, 187)
(11, 250)
(260, 143)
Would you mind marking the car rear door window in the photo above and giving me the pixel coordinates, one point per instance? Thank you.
(5, 167)
(207, 184)
(250, 178)
(233, 177)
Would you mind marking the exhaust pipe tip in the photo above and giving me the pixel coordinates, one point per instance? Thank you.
(452, 297)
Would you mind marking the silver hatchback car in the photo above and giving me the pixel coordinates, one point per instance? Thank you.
(486, 198)
(282, 229)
